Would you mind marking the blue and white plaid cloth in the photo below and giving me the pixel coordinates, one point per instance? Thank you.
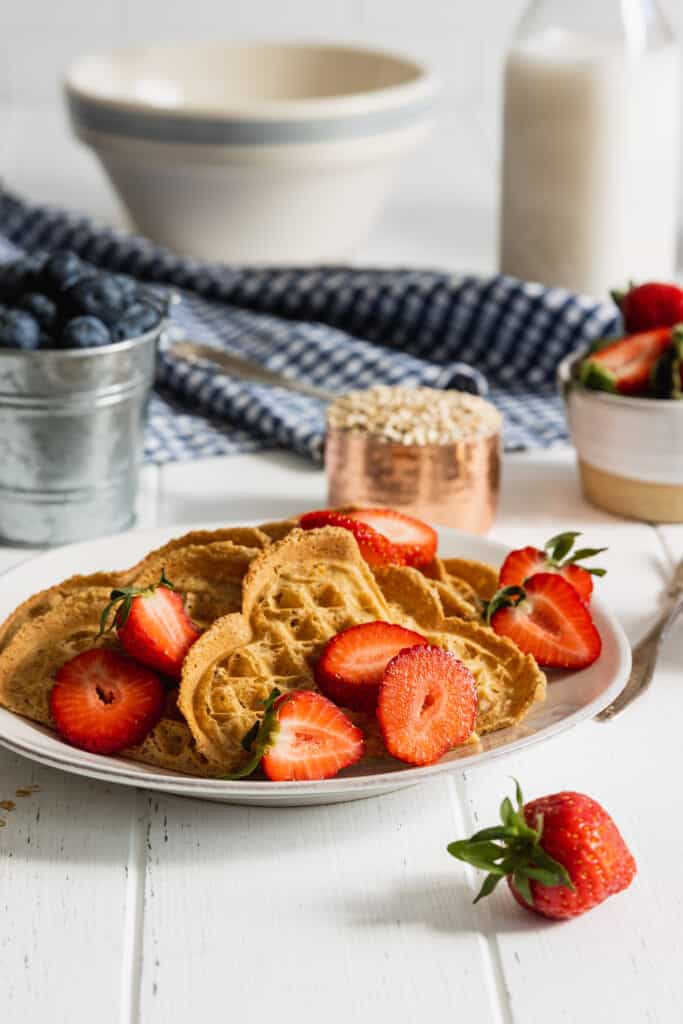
(338, 327)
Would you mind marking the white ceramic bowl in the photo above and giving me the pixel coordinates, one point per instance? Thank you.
(252, 152)
(630, 450)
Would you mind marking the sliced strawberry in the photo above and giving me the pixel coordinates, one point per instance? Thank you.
(548, 619)
(314, 739)
(153, 626)
(650, 305)
(352, 663)
(375, 548)
(104, 702)
(625, 366)
(557, 557)
(580, 579)
(427, 704)
(414, 538)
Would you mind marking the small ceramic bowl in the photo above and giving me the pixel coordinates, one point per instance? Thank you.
(251, 153)
(630, 450)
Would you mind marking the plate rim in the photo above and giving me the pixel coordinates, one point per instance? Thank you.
(130, 773)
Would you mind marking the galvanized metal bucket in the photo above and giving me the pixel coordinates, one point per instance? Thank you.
(71, 439)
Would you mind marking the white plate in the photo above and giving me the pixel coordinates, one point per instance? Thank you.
(572, 697)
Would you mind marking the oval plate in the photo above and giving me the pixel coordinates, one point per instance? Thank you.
(572, 696)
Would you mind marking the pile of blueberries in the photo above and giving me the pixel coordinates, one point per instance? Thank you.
(58, 301)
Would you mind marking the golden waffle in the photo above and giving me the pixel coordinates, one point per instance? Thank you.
(41, 603)
(299, 593)
(59, 623)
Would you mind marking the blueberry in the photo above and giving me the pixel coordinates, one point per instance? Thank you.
(19, 330)
(129, 286)
(84, 332)
(63, 270)
(138, 319)
(39, 306)
(101, 296)
(20, 275)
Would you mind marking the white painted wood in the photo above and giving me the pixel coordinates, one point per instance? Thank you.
(63, 864)
(331, 914)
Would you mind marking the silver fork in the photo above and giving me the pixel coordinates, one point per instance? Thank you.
(646, 652)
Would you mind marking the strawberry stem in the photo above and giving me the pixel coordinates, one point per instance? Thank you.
(504, 598)
(558, 549)
(260, 737)
(514, 849)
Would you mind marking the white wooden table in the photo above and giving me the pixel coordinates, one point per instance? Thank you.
(120, 906)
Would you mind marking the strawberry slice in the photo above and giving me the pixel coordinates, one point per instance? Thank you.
(352, 663)
(414, 538)
(302, 735)
(557, 556)
(427, 704)
(374, 547)
(104, 702)
(152, 625)
(625, 366)
(548, 619)
(650, 305)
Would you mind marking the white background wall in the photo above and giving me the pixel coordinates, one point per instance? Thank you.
(445, 200)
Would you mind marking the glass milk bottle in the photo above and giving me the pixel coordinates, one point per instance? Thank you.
(591, 145)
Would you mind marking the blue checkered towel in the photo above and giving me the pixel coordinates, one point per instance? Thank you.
(338, 327)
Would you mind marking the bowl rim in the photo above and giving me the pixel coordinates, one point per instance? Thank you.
(641, 402)
(423, 85)
(116, 347)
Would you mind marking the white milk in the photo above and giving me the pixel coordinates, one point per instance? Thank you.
(590, 178)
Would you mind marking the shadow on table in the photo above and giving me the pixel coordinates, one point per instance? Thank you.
(442, 903)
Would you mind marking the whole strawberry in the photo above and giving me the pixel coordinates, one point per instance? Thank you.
(562, 854)
(650, 305)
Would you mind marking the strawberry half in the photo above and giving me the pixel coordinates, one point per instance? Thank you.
(374, 547)
(104, 702)
(427, 704)
(650, 305)
(557, 556)
(415, 539)
(303, 735)
(548, 619)
(352, 663)
(152, 625)
(625, 366)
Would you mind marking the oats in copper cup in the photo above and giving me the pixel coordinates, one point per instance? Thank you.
(435, 454)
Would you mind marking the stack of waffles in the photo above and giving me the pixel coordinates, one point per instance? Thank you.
(267, 599)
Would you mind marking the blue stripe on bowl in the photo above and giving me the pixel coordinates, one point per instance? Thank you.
(157, 127)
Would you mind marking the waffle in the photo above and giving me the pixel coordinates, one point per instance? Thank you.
(44, 601)
(59, 623)
(298, 593)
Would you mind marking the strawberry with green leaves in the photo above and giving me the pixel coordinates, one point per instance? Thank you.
(561, 855)
(152, 625)
(557, 556)
(302, 736)
(547, 619)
